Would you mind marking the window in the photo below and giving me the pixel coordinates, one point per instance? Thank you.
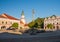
(57, 27)
(2, 27)
(54, 27)
(2, 22)
(6, 22)
(57, 23)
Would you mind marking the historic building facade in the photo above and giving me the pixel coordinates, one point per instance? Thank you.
(54, 20)
(6, 21)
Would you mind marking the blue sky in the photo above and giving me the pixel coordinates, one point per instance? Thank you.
(43, 8)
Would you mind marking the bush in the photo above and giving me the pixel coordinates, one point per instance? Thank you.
(15, 25)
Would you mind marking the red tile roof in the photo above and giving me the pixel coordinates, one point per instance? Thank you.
(9, 17)
(1, 16)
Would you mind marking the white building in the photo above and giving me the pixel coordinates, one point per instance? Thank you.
(6, 21)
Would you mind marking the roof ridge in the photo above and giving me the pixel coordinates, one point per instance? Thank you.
(8, 16)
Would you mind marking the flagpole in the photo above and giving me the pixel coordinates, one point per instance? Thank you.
(33, 15)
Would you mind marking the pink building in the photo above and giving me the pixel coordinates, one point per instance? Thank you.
(54, 20)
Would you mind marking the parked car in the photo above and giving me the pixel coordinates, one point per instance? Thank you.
(31, 31)
(41, 31)
(10, 28)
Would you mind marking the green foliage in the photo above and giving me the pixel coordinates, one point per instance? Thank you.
(15, 25)
(38, 23)
(50, 26)
(31, 24)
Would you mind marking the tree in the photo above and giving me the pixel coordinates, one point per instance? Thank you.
(50, 26)
(38, 23)
(31, 24)
(15, 25)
